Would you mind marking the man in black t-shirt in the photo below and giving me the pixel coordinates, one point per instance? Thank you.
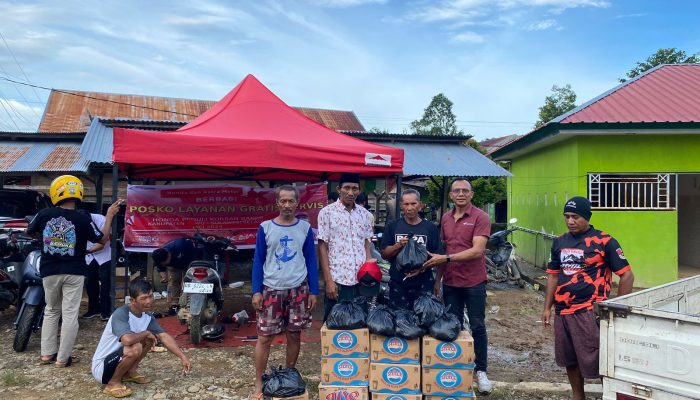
(171, 261)
(405, 289)
(65, 233)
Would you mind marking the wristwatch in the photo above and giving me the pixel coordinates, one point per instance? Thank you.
(447, 258)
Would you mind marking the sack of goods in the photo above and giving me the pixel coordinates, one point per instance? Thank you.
(380, 321)
(407, 325)
(446, 327)
(283, 382)
(428, 309)
(412, 256)
(347, 315)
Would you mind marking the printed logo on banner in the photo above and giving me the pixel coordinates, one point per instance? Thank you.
(345, 340)
(395, 345)
(448, 351)
(345, 368)
(381, 160)
(448, 379)
(395, 376)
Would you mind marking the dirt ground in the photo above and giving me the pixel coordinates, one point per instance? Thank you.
(519, 350)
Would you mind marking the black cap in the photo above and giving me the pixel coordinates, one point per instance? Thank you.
(349, 177)
(579, 205)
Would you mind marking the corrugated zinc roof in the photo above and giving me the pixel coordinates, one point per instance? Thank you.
(667, 93)
(445, 159)
(98, 143)
(41, 157)
(70, 110)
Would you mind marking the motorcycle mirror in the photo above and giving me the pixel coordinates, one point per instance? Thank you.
(512, 220)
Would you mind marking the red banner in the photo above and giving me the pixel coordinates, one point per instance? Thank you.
(156, 215)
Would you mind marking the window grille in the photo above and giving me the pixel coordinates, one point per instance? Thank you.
(632, 191)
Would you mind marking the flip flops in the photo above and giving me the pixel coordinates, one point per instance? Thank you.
(256, 396)
(117, 392)
(140, 379)
(71, 360)
(48, 361)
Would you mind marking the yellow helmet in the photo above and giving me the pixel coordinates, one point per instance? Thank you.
(65, 187)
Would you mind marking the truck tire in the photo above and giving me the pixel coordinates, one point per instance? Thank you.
(196, 328)
(24, 327)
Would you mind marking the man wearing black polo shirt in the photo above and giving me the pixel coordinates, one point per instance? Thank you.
(580, 274)
(403, 289)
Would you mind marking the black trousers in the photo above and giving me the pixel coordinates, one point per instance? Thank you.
(97, 285)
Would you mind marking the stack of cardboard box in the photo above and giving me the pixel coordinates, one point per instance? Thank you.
(448, 367)
(344, 364)
(394, 368)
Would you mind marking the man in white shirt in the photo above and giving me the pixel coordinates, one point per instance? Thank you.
(98, 258)
(129, 335)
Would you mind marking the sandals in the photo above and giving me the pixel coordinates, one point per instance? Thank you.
(256, 396)
(71, 360)
(117, 392)
(47, 361)
(140, 379)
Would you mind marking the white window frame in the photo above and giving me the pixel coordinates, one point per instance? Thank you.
(627, 191)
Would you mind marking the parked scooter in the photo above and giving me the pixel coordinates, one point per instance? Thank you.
(202, 294)
(500, 257)
(9, 288)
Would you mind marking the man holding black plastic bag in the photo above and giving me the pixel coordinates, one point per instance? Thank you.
(407, 284)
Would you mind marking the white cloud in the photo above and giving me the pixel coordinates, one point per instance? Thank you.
(344, 3)
(468, 37)
(16, 114)
(636, 15)
(542, 25)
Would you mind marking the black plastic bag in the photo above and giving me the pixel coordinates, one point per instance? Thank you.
(283, 382)
(446, 327)
(412, 256)
(347, 315)
(428, 309)
(380, 321)
(407, 325)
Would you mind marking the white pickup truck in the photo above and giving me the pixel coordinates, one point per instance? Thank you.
(650, 343)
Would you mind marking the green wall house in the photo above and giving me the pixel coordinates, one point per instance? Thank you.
(634, 152)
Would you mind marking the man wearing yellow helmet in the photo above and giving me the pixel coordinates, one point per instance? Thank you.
(65, 233)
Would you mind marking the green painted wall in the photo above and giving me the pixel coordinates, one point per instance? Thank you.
(649, 238)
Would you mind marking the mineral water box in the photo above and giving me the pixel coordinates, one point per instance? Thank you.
(394, 378)
(304, 396)
(456, 354)
(470, 397)
(394, 396)
(448, 382)
(328, 392)
(345, 371)
(393, 349)
(344, 343)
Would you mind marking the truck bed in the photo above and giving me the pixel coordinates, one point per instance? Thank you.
(651, 340)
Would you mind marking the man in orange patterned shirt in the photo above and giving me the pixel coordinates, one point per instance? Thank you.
(580, 274)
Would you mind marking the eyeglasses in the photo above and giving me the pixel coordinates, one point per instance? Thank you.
(458, 191)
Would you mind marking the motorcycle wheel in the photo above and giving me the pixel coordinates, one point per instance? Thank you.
(24, 327)
(196, 328)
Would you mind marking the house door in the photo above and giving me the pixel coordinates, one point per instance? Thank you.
(688, 225)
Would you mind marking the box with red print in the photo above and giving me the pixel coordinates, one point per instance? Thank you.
(452, 382)
(328, 392)
(344, 343)
(394, 378)
(393, 349)
(345, 371)
(456, 354)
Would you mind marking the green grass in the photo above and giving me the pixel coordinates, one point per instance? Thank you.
(11, 377)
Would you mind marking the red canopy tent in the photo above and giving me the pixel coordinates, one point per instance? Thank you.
(250, 135)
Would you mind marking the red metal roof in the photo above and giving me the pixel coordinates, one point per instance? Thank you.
(71, 110)
(668, 93)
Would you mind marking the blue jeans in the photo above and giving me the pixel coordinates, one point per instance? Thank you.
(474, 298)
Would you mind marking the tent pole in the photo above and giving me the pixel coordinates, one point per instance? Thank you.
(99, 201)
(399, 177)
(113, 239)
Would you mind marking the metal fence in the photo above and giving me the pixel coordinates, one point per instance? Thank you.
(541, 243)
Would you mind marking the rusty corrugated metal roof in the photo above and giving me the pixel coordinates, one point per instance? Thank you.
(41, 156)
(68, 110)
(667, 93)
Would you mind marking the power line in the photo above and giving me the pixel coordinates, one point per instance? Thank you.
(19, 65)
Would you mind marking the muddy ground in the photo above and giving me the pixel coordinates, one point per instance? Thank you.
(519, 350)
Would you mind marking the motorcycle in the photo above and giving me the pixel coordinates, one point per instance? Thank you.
(500, 257)
(202, 295)
(9, 288)
(30, 291)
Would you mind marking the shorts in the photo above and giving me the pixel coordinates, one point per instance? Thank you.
(284, 309)
(577, 342)
(110, 364)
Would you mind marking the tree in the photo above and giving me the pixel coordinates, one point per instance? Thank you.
(438, 119)
(562, 99)
(662, 56)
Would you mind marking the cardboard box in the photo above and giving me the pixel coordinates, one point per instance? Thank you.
(345, 371)
(473, 396)
(393, 349)
(304, 396)
(452, 382)
(344, 343)
(328, 392)
(394, 378)
(456, 354)
(394, 396)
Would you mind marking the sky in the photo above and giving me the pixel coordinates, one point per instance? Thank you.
(496, 60)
